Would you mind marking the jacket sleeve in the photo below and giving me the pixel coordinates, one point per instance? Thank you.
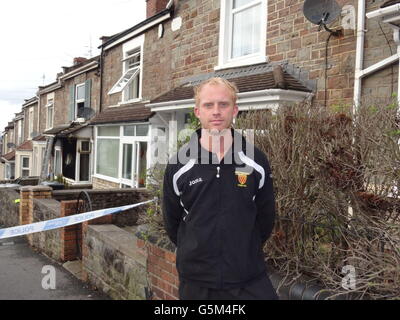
(172, 210)
(265, 202)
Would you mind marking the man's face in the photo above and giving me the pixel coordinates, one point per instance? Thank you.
(215, 108)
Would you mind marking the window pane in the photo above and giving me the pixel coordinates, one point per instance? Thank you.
(142, 164)
(57, 169)
(108, 131)
(107, 157)
(84, 167)
(25, 173)
(50, 117)
(246, 32)
(25, 162)
(132, 90)
(127, 161)
(80, 93)
(129, 131)
(239, 3)
(142, 130)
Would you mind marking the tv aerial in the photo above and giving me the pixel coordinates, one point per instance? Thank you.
(321, 12)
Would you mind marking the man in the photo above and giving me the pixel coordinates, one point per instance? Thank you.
(218, 204)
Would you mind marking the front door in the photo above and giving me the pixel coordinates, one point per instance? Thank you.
(134, 164)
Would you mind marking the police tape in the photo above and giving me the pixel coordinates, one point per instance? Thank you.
(64, 221)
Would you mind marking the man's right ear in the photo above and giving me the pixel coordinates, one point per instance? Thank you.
(196, 112)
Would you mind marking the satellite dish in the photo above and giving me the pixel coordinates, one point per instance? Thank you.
(321, 12)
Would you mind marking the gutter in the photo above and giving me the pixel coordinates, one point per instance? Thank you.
(137, 29)
(83, 69)
(244, 102)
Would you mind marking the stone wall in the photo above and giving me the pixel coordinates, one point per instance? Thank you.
(48, 242)
(103, 184)
(102, 199)
(113, 262)
(9, 210)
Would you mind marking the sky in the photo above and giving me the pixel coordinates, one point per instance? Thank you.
(39, 37)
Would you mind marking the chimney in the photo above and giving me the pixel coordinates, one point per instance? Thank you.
(79, 60)
(155, 6)
(104, 39)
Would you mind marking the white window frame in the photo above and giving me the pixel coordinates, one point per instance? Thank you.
(225, 37)
(50, 106)
(79, 100)
(129, 74)
(30, 117)
(25, 168)
(125, 140)
(78, 160)
(57, 150)
(20, 132)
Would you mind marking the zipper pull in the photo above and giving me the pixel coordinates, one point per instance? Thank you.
(218, 172)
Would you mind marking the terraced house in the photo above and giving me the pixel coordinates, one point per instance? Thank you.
(105, 121)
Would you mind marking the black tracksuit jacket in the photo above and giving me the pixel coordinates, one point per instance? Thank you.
(219, 214)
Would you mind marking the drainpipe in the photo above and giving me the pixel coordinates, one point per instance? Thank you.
(359, 54)
(396, 38)
(101, 79)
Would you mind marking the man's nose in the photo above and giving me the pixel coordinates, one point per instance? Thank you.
(216, 109)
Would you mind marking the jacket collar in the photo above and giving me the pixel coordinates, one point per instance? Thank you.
(203, 156)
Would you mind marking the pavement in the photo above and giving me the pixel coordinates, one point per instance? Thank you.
(29, 275)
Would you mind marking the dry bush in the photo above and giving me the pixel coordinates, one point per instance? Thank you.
(336, 182)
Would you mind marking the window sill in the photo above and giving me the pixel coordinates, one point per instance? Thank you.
(241, 63)
(122, 103)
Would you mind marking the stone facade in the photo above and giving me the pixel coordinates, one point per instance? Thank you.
(9, 210)
(112, 71)
(103, 184)
(291, 38)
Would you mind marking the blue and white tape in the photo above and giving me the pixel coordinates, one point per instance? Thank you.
(64, 221)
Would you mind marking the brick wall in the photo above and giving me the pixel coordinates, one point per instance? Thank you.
(110, 198)
(155, 6)
(161, 271)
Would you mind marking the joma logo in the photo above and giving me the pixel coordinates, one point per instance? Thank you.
(195, 181)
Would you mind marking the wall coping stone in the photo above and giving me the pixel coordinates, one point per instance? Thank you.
(122, 240)
(36, 188)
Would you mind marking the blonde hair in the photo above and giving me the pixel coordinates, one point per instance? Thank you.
(214, 82)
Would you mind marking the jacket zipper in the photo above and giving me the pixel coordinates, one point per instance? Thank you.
(220, 232)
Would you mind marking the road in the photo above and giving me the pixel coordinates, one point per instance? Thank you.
(28, 275)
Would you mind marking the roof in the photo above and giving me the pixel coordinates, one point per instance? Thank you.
(135, 27)
(9, 156)
(39, 138)
(247, 79)
(26, 146)
(131, 113)
(66, 129)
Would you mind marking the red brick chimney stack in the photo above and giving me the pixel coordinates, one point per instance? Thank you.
(155, 6)
(79, 60)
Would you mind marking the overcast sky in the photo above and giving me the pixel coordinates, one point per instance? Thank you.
(39, 37)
